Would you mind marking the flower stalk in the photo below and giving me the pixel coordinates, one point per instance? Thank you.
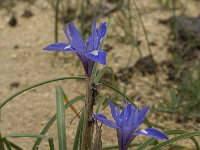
(89, 53)
(88, 128)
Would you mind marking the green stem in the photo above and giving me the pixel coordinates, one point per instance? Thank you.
(87, 133)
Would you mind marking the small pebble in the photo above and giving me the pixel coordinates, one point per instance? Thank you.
(12, 21)
(16, 47)
(27, 14)
(14, 84)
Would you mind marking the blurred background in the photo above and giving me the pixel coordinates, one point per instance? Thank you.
(153, 49)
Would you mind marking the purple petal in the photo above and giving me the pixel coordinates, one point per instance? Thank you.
(151, 132)
(124, 112)
(105, 121)
(101, 31)
(118, 111)
(142, 114)
(59, 47)
(97, 56)
(132, 119)
(112, 108)
(67, 35)
(77, 41)
(94, 36)
(92, 40)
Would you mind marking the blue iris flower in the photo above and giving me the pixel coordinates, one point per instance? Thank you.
(127, 123)
(88, 52)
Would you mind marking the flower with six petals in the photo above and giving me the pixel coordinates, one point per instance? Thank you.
(127, 123)
(88, 52)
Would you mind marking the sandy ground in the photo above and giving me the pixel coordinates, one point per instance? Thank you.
(24, 62)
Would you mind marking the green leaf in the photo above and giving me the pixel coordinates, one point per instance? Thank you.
(94, 70)
(72, 107)
(101, 101)
(52, 120)
(7, 144)
(99, 75)
(111, 147)
(181, 132)
(60, 111)
(78, 133)
(177, 138)
(4, 102)
(118, 91)
(170, 132)
(146, 143)
(50, 139)
(24, 135)
(14, 146)
(51, 145)
(1, 143)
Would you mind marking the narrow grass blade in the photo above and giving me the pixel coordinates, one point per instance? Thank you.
(60, 111)
(52, 120)
(7, 144)
(4, 102)
(101, 101)
(1, 139)
(177, 138)
(181, 132)
(99, 75)
(146, 143)
(29, 136)
(118, 91)
(94, 70)
(78, 133)
(66, 100)
(26, 136)
(51, 145)
(170, 132)
(111, 147)
(13, 145)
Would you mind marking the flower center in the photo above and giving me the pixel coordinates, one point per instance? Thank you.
(66, 47)
(95, 52)
(144, 131)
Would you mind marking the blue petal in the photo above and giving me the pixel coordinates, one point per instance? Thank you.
(92, 40)
(77, 41)
(124, 112)
(142, 114)
(118, 111)
(131, 121)
(105, 121)
(112, 108)
(151, 132)
(67, 35)
(94, 36)
(59, 47)
(97, 56)
(101, 31)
